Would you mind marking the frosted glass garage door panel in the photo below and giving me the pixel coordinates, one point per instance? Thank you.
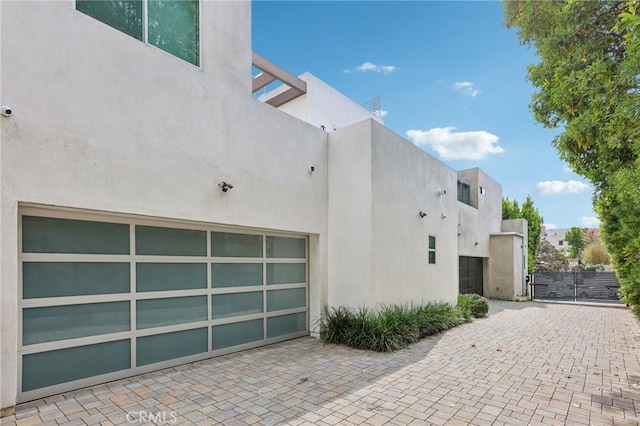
(225, 244)
(236, 274)
(162, 347)
(238, 333)
(65, 365)
(51, 323)
(286, 273)
(153, 240)
(286, 299)
(170, 276)
(59, 279)
(52, 235)
(286, 247)
(286, 324)
(173, 310)
(235, 304)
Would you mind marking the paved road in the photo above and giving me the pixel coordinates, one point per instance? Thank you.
(527, 363)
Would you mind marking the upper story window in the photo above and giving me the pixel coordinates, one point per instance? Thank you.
(464, 193)
(170, 25)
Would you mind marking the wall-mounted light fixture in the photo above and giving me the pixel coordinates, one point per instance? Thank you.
(225, 186)
(442, 192)
(6, 111)
(477, 243)
(312, 169)
(444, 216)
(422, 214)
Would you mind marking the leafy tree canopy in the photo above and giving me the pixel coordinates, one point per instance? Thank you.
(588, 82)
(575, 238)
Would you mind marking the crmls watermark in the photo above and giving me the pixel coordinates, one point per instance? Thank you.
(140, 417)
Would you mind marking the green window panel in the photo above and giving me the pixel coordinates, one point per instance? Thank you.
(286, 247)
(162, 347)
(225, 244)
(286, 324)
(170, 276)
(123, 15)
(237, 333)
(59, 279)
(235, 304)
(174, 310)
(52, 235)
(278, 300)
(152, 240)
(51, 323)
(286, 273)
(65, 365)
(236, 274)
(174, 28)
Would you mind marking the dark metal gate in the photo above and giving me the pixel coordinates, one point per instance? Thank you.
(576, 285)
(470, 275)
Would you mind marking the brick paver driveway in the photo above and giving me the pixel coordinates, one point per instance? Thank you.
(527, 363)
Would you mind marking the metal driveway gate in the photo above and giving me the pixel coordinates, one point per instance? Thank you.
(104, 297)
(575, 285)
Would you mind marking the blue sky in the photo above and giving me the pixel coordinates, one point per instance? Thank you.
(452, 80)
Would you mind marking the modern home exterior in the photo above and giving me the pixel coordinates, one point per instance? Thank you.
(154, 213)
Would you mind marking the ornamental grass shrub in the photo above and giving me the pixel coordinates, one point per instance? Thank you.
(390, 328)
(473, 304)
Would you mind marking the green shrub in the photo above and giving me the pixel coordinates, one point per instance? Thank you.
(390, 328)
(474, 305)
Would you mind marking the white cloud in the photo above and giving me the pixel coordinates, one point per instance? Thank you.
(590, 221)
(451, 145)
(549, 226)
(466, 87)
(553, 187)
(371, 67)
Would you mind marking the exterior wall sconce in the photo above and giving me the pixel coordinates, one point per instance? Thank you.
(312, 169)
(225, 186)
(477, 243)
(444, 216)
(422, 214)
(442, 192)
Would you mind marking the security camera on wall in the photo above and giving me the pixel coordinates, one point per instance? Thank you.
(6, 111)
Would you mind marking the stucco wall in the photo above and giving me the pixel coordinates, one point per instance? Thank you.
(104, 122)
(407, 180)
(325, 106)
(477, 222)
(350, 253)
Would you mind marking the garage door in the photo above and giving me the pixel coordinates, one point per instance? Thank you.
(105, 297)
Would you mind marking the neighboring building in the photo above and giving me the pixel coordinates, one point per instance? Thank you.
(556, 236)
(153, 213)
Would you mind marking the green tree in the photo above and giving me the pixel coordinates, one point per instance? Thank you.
(588, 83)
(575, 238)
(511, 210)
(550, 259)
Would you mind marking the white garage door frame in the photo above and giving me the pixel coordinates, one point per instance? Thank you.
(133, 297)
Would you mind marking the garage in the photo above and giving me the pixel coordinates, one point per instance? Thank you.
(104, 297)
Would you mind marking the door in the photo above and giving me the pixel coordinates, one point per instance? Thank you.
(104, 297)
(470, 275)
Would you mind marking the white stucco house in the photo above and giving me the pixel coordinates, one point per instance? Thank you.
(153, 212)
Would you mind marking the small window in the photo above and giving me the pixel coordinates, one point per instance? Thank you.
(464, 193)
(561, 242)
(432, 249)
(170, 25)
